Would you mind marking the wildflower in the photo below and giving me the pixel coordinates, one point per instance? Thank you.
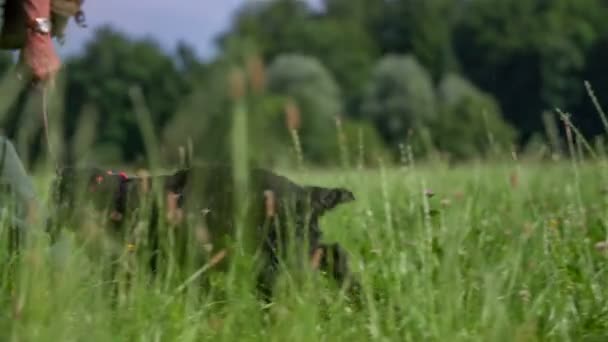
(316, 258)
(116, 216)
(514, 179)
(525, 295)
(270, 203)
(528, 230)
(602, 246)
(175, 214)
(130, 247)
(446, 202)
(216, 323)
(292, 115)
(257, 74)
(204, 238)
(217, 258)
(553, 223)
(429, 193)
(237, 85)
(144, 185)
(526, 331)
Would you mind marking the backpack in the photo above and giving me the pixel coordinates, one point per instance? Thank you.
(12, 20)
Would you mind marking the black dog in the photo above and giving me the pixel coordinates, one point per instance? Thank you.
(280, 218)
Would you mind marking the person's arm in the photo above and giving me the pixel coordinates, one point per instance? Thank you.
(38, 53)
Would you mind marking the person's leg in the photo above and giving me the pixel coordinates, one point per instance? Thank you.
(13, 174)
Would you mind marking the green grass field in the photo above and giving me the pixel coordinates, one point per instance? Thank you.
(499, 253)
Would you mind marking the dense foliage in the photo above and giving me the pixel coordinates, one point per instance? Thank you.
(438, 68)
(514, 253)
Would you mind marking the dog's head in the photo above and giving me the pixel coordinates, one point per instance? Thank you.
(306, 207)
(80, 185)
(325, 199)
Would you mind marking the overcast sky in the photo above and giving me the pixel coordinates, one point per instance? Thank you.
(195, 21)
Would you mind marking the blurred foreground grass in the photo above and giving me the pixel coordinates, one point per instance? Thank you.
(503, 252)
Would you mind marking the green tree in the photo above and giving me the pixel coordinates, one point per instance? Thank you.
(102, 79)
(530, 54)
(346, 49)
(306, 81)
(470, 123)
(341, 43)
(363, 144)
(274, 27)
(596, 73)
(362, 12)
(205, 119)
(419, 27)
(189, 64)
(400, 98)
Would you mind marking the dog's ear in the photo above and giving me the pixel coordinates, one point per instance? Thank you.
(324, 199)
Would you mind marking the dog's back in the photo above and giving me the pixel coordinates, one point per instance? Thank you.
(204, 197)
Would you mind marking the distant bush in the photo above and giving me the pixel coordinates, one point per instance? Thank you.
(317, 97)
(363, 144)
(203, 118)
(470, 122)
(399, 98)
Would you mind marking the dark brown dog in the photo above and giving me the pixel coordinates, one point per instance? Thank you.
(202, 205)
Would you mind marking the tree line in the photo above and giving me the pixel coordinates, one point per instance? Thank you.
(346, 82)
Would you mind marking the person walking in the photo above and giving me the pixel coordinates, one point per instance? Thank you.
(30, 26)
(19, 205)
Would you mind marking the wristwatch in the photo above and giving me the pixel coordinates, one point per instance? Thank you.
(41, 25)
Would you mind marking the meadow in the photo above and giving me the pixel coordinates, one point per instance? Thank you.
(510, 251)
(500, 247)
